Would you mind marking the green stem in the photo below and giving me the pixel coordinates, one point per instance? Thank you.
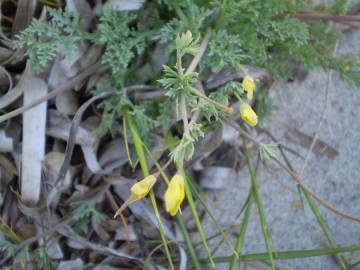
(321, 221)
(188, 242)
(144, 167)
(243, 227)
(324, 227)
(194, 213)
(180, 220)
(216, 223)
(219, 105)
(260, 207)
(197, 222)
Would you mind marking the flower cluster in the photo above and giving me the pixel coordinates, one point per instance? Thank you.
(175, 192)
(173, 196)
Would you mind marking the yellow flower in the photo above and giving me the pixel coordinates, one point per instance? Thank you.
(248, 115)
(174, 194)
(249, 86)
(140, 189)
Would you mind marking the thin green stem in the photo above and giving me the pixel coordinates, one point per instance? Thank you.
(216, 223)
(188, 242)
(144, 167)
(296, 177)
(217, 104)
(322, 223)
(161, 229)
(244, 225)
(194, 213)
(179, 219)
(260, 207)
(324, 227)
(197, 222)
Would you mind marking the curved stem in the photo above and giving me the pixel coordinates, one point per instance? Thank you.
(144, 167)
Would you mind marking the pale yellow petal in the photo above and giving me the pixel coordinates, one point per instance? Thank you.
(248, 83)
(142, 188)
(248, 114)
(180, 179)
(174, 194)
(250, 94)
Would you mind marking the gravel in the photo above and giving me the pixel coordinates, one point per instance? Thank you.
(299, 106)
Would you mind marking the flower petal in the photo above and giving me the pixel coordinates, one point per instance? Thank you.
(174, 194)
(248, 83)
(248, 114)
(140, 189)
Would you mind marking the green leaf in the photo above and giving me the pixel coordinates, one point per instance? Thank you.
(8, 247)
(45, 40)
(83, 212)
(225, 50)
(186, 44)
(43, 260)
(23, 256)
(268, 151)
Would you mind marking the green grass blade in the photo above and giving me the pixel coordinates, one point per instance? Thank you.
(244, 224)
(213, 219)
(144, 167)
(322, 223)
(197, 222)
(286, 255)
(188, 242)
(324, 227)
(261, 211)
(241, 237)
(6, 230)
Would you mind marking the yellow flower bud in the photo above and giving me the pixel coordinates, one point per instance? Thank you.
(249, 86)
(140, 189)
(174, 194)
(248, 115)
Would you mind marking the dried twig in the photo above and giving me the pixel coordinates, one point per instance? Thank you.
(107, 251)
(66, 86)
(335, 18)
(352, 21)
(320, 147)
(71, 143)
(322, 119)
